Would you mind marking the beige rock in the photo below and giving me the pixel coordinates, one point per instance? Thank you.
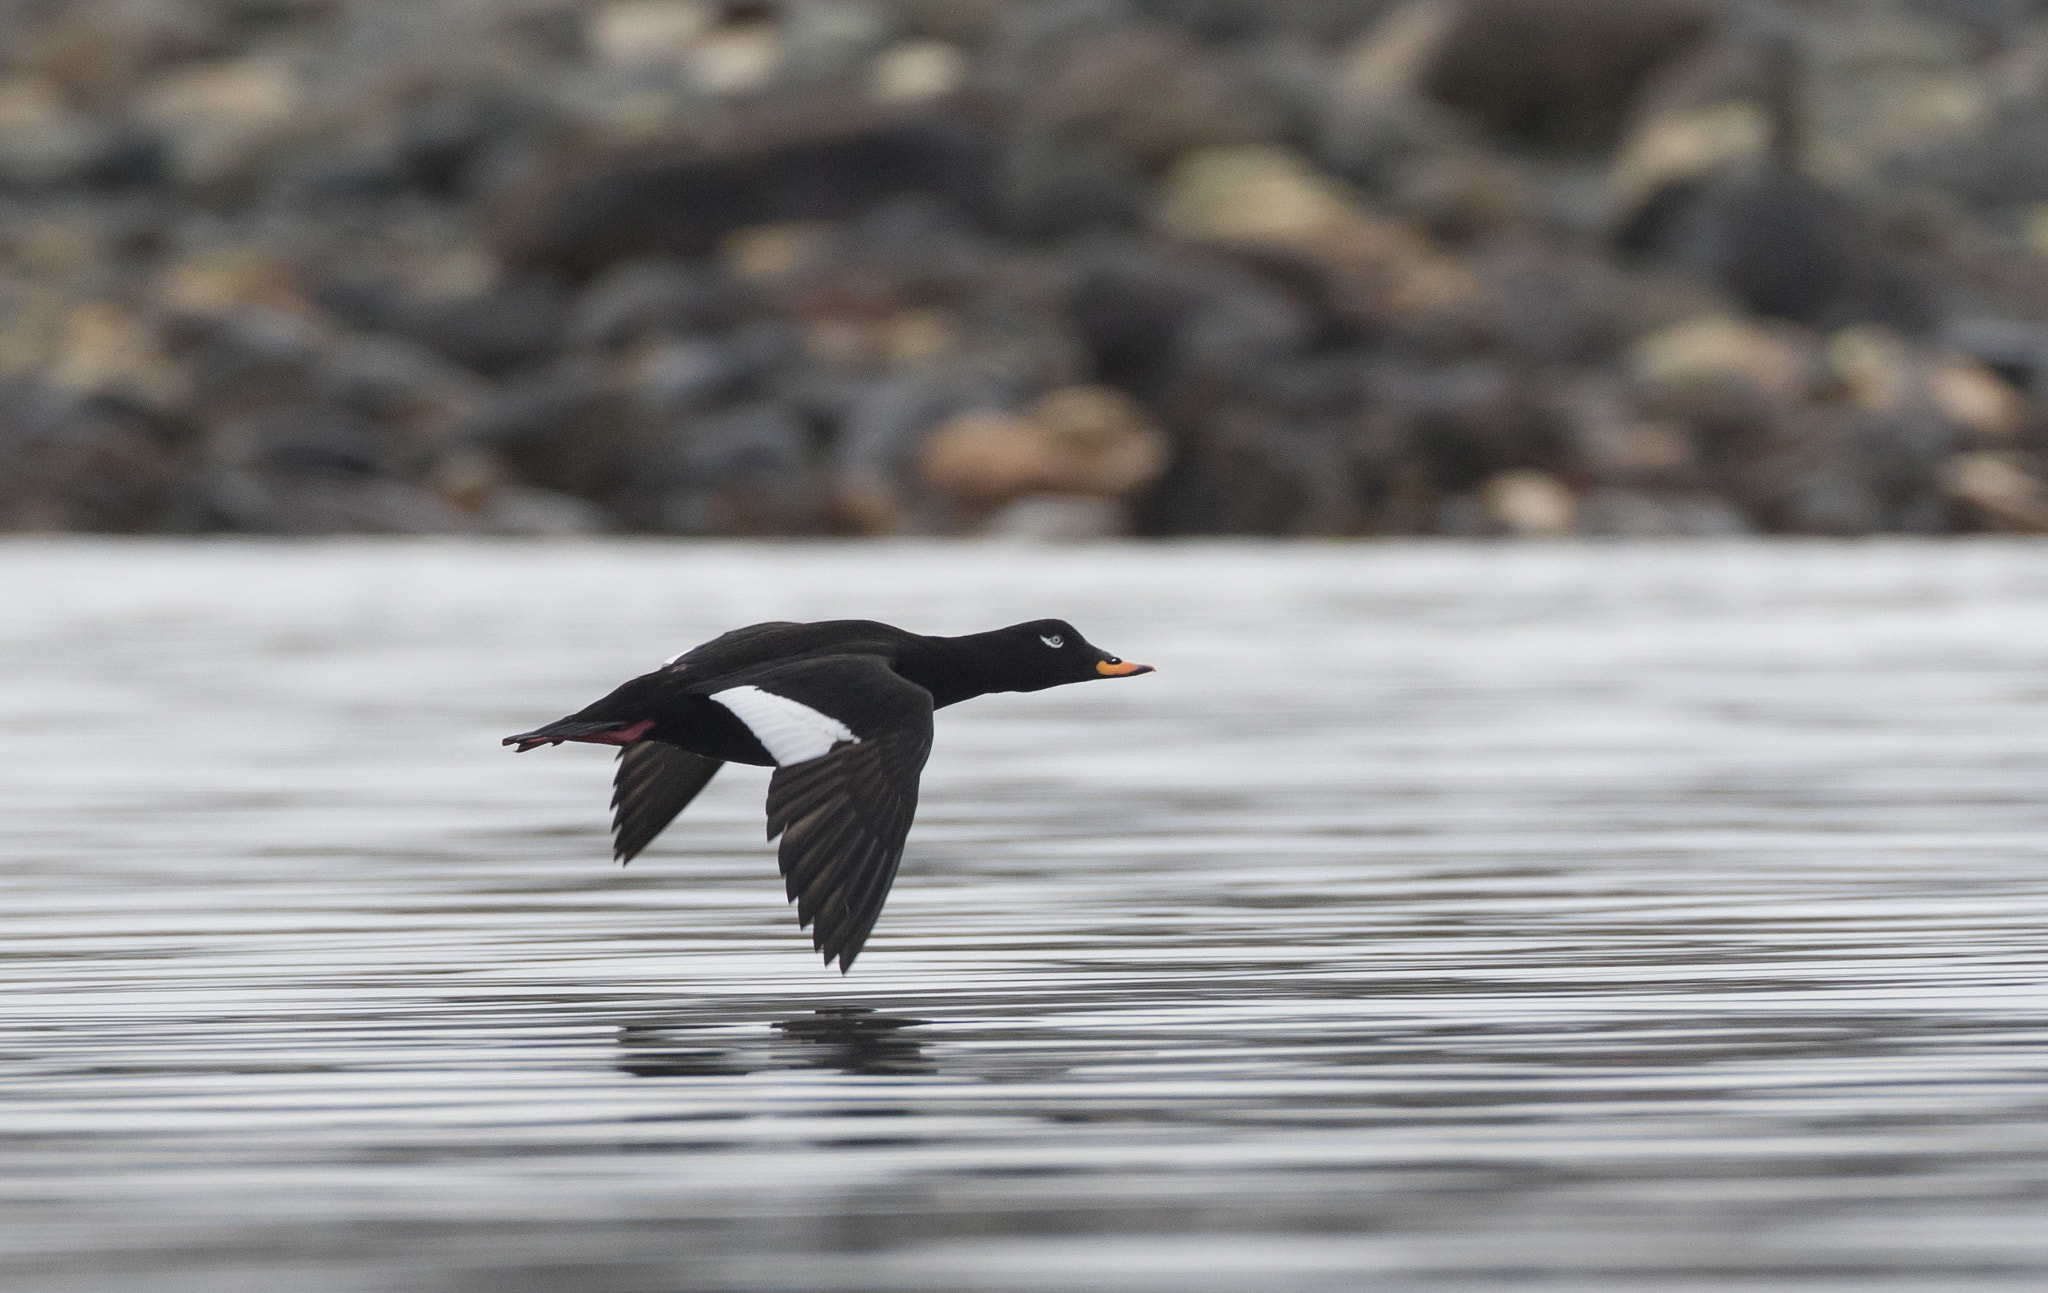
(232, 278)
(1636, 452)
(1080, 440)
(985, 457)
(467, 270)
(765, 253)
(1149, 95)
(97, 52)
(1973, 397)
(1254, 194)
(28, 103)
(51, 249)
(920, 335)
(1465, 195)
(1684, 145)
(110, 348)
(1058, 518)
(631, 33)
(917, 71)
(1269, 200)
(1873, 365)
(1393, 57)
(846, 340)
(217, 115)
(1770, 358)
(466, 479)
(1998, 494)
(1102, 441)
(1529, 504)
(1884, 85)
(31, 327)
(737, 58)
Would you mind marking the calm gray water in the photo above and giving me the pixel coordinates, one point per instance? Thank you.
(1605, 918)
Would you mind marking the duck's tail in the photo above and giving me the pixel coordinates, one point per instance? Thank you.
(595, 731)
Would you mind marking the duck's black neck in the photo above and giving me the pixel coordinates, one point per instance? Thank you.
(953, 669)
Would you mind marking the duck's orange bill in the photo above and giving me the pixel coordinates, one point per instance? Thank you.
(1120, 669)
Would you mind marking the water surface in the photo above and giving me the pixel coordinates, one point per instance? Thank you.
(1439, 917)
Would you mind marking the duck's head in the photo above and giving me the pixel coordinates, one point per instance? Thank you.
(1048, 653)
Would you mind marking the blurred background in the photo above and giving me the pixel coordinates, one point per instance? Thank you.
(1056, 268)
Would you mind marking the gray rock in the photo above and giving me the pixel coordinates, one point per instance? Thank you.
(1639, 514)
(653, 297)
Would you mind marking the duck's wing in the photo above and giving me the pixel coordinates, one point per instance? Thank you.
(855, 736)
(655, 781)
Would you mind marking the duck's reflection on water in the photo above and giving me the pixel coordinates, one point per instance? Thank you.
(844, 1039)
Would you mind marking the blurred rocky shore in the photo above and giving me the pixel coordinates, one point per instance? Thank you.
(1055, 268)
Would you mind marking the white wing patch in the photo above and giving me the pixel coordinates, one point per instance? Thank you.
(789, 730)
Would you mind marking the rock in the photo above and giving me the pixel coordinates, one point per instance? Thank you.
(743, 470)
(225, 280)
(1879, 372)
(1255, 195)
(219, 116)
(1835, 469)
(1171, 328)
(830, 40)
(1394, 57)
(1710, 351)
(1372, 272)
(684, 203)
(247, 364)
(1783, 243)
(94, 464)
(2014, 349)
(511, 325)
(315, 504)
(917, 72)
(1682, 147)
(1455, 425)
(45, 143)
(737, 57)
(108, 349)
(1557, 73)
(1790, 248)
(1970, 396)
(1058, 518)
(1995, 493)
(1529, 504)
(1637, 453)
(643, 299)
(1145, 95)
(985, 457)
(315, 440)
(478, 484)
(565, 428)
(1083, 440)
(1874, 367)
(1463, 198)
(396, 383)
(98, 54)
(1102, 442)
(632, 33)
(1879, 86)
(540, 513)
(1638, 514)
(1046, 193)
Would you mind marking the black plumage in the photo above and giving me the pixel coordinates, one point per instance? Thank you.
(843, 711)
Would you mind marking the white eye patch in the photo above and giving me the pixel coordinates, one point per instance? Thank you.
(1055, 641)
